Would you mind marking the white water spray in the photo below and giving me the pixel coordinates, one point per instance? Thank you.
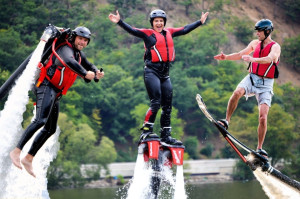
(274, 188)
(179, 187)
(16, 183)
(140, 185)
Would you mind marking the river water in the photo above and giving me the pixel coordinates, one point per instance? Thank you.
(231, 190)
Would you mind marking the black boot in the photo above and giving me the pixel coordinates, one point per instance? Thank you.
(147, 133)
(262, 152)
(165, 135)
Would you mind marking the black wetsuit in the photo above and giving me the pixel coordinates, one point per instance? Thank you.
(48, 96)
(156, 74)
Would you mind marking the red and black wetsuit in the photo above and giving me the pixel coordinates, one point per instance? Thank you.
(48, 95)
(159, 53)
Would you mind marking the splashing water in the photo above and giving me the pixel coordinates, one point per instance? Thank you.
(140, 184)
(16, 183)
(274, 188)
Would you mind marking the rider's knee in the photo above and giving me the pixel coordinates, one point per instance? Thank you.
(263, 119)
(239, 92)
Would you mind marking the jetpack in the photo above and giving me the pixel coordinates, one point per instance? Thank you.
(253, 159)
(158, 155)
(52, 34)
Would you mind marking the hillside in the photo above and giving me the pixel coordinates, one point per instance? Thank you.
(283, 28)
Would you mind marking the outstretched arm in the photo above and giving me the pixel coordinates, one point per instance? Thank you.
(188, 28)
(134, 31)
(237, 55)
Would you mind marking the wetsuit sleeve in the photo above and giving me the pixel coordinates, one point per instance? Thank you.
(86, 64)
(67, 55)
(184, 30)
(134, 31)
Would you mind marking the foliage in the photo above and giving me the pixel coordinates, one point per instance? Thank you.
(13, 56)
(102, 154)
(290, 52)
(242, 172)
(291, 7)
(78, 146)
(191, 144)
(138, 114)
(291, 167)
(228, 152)
(207, 150)
(280, 132)
(290, 96)
(242, 29)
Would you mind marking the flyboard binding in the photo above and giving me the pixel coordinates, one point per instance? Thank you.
(158, 154)
(255, 160)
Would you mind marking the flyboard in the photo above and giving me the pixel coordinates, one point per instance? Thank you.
(52, 34)
(256, 160)
(158, 154)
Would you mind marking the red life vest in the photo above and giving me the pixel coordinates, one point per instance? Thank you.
(63, 77)
(268, 70)
(163, 50)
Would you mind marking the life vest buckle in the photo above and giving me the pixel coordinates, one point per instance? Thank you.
(40, 65)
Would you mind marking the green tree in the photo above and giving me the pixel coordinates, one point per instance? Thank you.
(242, 29)
(84, 137)
(207, 150)
(279, 135)
(12, 57)
(102, 154)
(138, 114)
(242, 172)
(290, 52)
(191, 144)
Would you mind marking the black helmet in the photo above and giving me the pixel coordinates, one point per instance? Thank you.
(83, 32)
(266, 25)
(158, 13)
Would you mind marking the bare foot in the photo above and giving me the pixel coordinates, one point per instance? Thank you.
(15, 157)
(27, 163)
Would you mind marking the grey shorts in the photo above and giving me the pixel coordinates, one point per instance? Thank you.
(261, 88)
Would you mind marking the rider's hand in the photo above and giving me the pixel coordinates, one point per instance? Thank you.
(89, 75)
(114, 18)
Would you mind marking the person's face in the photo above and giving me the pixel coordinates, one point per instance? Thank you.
(80, 42)
(260, 34)
(158, 24)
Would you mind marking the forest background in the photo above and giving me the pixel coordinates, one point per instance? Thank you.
(100, 122)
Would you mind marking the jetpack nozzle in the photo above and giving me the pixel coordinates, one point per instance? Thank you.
(49, 32)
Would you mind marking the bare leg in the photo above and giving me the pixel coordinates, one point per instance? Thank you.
(262, 126)
(233, 102)
(15, 157)
(27, 162)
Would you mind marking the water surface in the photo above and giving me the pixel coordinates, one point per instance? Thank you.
(232, 190)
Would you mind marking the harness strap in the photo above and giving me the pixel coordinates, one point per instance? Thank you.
(43, 69)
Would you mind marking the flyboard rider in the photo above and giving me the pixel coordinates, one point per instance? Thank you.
(159, 53)
(66, 62)
(259, 82)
